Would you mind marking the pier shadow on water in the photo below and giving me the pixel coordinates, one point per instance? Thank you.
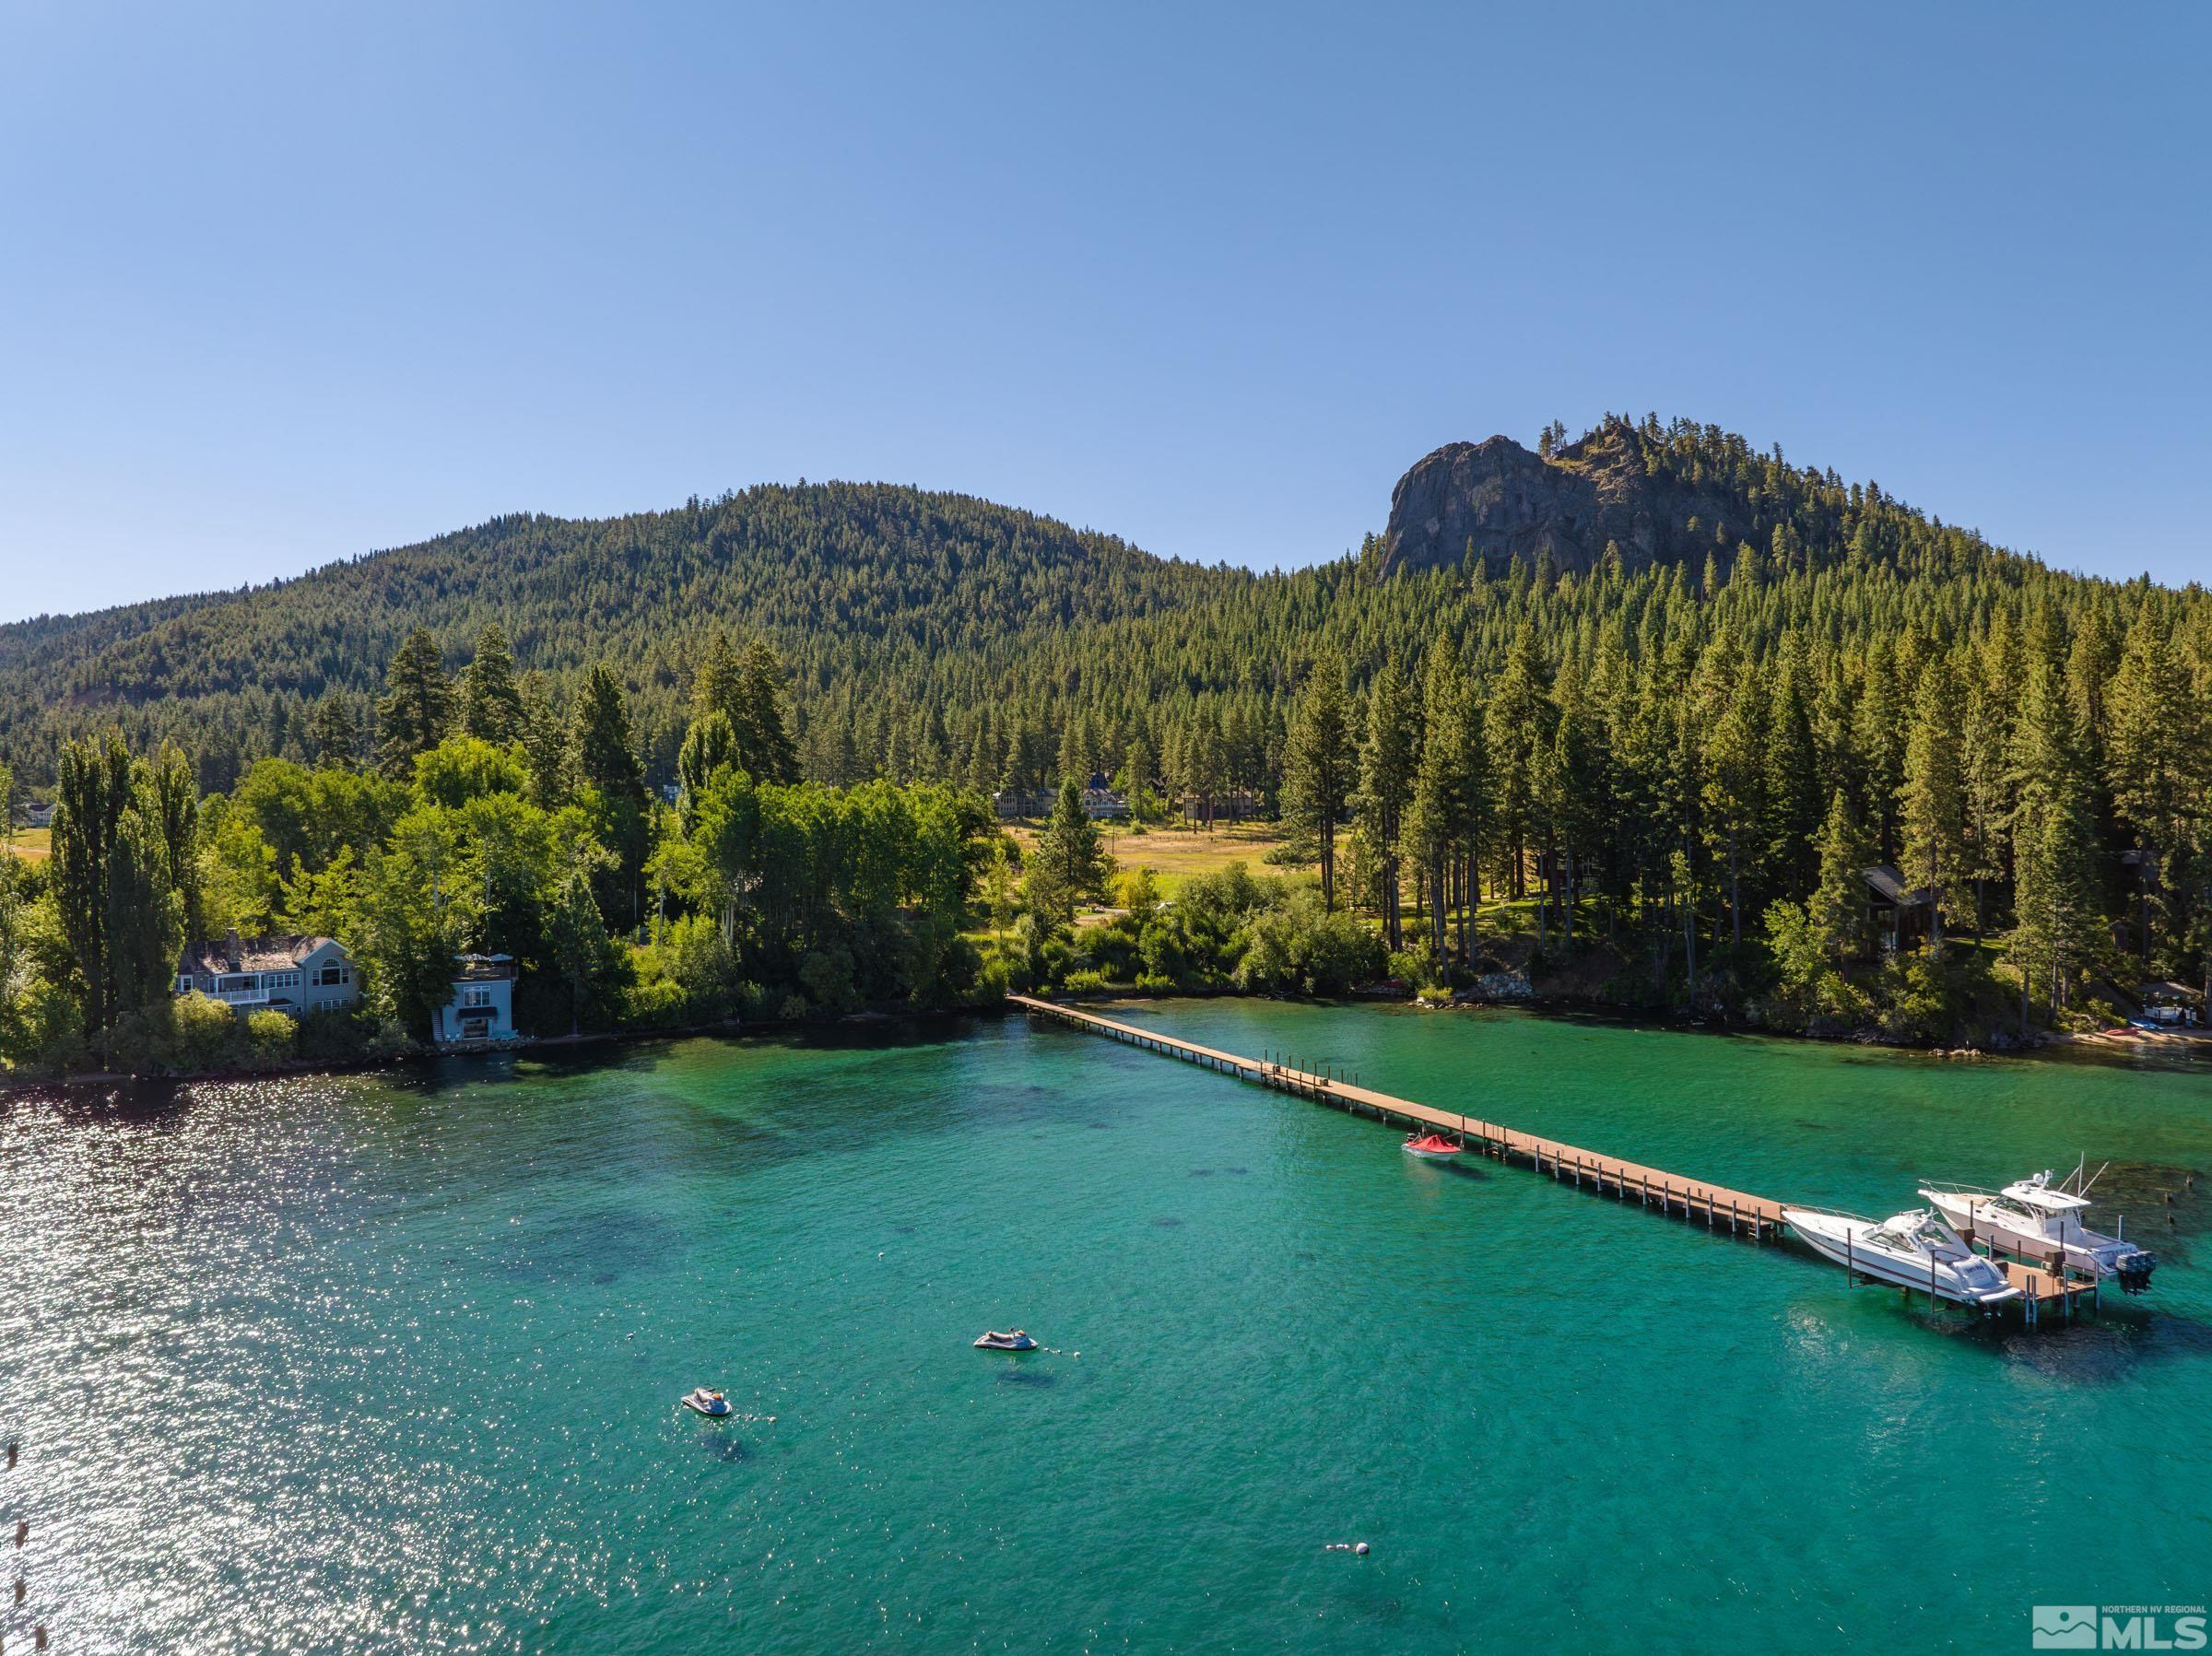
(2100, 1348)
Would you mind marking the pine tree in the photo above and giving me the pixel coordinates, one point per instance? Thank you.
(1932, 797)
(1838, 906)
(1790, 785)
(716, 685)
(1205, 764)
(1074, 751)
(1988, 796)
(603, 756)
(1318, 767)
(491, 706)
(413, 715)
(1068, 866)
(760, 719)
(2056, 921)
(601, 748)
(1516, 729)
(1577, 776)
(331, 735)
(1443, 819)
(544, 745)
(1139, 769)
(2052, 836)
(1879, 736)
(1388, 759)
(1734, 744)
(2155, 754)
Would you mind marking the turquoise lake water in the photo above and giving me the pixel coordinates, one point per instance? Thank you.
(386, 1363)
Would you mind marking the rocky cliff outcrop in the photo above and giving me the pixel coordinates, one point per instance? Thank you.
(1505, 500)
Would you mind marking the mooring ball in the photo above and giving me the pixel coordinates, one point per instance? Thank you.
(1362, 1550)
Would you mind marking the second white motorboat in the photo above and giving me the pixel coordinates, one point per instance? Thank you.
(1914, 1250)
(2042, 1220)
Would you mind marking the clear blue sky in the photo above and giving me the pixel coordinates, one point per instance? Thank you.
(285, 283)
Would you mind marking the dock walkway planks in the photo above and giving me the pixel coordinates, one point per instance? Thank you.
(1757, 1217)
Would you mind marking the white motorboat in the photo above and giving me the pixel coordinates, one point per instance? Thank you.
(2043, 1221)
(1916, 1250)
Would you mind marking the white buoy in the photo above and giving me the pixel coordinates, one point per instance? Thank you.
(1362, 1550)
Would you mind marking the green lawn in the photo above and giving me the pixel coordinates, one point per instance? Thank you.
(1174, 854)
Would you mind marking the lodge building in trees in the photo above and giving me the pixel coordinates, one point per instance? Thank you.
(1898, 916)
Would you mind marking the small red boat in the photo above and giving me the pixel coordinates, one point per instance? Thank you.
(1431, 1146)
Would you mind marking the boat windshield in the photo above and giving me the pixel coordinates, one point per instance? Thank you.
(1920, 1233)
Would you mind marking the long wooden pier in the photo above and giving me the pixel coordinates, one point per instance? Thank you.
(1754, 1219)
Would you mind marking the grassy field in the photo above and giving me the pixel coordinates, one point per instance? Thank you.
(31, 844)
(1174, 854)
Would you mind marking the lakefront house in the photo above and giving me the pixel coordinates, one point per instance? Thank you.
(483, 1004)
(291, 973)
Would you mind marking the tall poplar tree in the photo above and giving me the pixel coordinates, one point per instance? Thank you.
(144, 920)
(169, 793)
(92, 790)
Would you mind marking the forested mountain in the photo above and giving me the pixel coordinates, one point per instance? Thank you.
(845, 578)
(935, 634)
(1696, 742)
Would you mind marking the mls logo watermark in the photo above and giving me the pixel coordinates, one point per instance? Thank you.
(2119, 1627)
(2066, 1626)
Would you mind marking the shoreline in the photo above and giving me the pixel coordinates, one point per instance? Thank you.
(2047, 1043)
(2122, 1043)
(728, 1029)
